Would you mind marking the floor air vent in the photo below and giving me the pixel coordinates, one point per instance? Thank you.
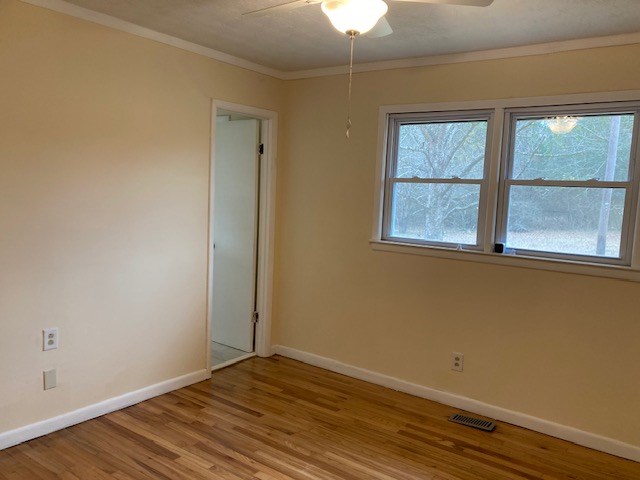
(486, 425)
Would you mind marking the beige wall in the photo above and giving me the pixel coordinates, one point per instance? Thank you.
(104, 157)
(558, 346)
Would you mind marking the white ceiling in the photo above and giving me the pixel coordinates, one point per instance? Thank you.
(303, 39)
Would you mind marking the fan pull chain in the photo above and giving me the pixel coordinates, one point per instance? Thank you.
(352, 38)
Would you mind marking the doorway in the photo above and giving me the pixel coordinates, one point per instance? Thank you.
(235, 240)
(242, 183)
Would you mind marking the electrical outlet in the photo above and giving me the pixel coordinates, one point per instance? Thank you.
(50, 378)
(50, 339)
(457, 361)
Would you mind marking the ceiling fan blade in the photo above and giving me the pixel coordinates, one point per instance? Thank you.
(281, 8)
(382, 29)
(469, 3)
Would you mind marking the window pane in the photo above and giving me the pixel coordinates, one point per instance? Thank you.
(442, 150)
(436, 212)
(598, 146)
(581, 221)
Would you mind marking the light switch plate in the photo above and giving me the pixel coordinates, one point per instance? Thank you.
(50, 378)
(49, 339)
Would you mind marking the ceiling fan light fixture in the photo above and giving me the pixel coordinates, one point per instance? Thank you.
(354, 16)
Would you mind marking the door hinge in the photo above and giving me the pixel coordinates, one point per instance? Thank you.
(261, 149)
(256, 317)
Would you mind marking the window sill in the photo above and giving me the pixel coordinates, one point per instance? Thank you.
(563, 266)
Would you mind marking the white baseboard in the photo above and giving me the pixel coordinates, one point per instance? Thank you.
(580, 437)
(34, 430)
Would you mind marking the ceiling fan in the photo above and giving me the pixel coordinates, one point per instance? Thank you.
(358, 17)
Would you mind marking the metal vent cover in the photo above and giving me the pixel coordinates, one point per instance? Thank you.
(479, 423)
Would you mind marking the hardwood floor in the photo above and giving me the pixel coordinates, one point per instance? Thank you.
(279, 419)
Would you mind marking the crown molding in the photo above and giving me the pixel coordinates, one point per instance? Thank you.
(477, 56)
(61, 6)
(512, 52)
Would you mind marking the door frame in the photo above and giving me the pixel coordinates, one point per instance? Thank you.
(266, 223)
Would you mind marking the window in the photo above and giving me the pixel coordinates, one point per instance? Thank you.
(436, 179)
(563, 186)
(567, 193)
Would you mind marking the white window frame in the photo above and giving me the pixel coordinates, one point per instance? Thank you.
(630, 186)
(398, 120)
(504, 111)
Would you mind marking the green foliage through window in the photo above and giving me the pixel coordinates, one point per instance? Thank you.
(568, 193)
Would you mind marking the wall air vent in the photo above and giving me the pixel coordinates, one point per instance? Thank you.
(479, 423)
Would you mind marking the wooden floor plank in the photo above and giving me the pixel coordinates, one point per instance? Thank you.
(278, 419)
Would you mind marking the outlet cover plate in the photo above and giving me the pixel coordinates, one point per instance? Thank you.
(457, 361)
(50, 339)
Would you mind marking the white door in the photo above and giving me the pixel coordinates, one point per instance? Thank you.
(235, 227)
